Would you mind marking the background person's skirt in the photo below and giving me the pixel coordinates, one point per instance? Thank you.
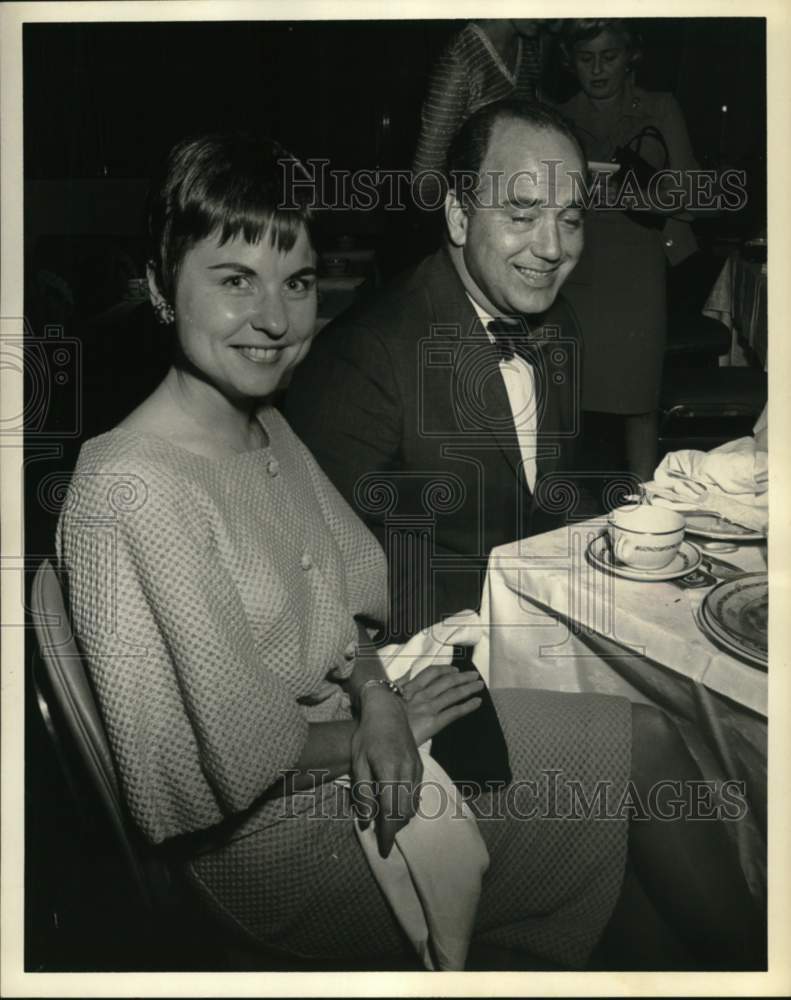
(618, 291)
(303, 886)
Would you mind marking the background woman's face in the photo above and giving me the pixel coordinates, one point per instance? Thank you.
(246, 312)
(601, 64)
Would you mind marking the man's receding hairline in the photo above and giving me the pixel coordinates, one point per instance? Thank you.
(507, 115)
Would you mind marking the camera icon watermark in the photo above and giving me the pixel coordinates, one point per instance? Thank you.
(50, 366)
(461, 391)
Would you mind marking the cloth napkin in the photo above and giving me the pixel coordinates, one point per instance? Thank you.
(432, 876)
(761, 430)
(731, 480)
(403, 661)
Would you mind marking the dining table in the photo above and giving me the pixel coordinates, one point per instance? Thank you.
(739, 300)
(557, 620)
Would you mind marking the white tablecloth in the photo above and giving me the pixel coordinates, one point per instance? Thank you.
(556, 622)
(738, 299)
(530, 582)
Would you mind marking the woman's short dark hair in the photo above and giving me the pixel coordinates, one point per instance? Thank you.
(228, 184)
(583, 29)
(470, 144)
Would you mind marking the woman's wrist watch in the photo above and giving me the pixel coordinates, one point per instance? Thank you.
(382, 682)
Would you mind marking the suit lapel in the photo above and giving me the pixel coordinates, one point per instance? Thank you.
(479, 393)
(498, 415)
(547, 458)
(559, 401)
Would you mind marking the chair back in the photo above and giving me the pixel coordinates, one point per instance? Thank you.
(71, 716)
(178, 921)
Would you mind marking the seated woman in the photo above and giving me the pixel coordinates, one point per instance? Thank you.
(218, 585)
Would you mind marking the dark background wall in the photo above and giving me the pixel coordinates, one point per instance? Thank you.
(125, 91)
(103, 101)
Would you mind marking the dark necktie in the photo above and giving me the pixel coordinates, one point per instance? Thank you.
(511, 337)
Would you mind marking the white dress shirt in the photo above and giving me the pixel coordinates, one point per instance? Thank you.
(520, 385)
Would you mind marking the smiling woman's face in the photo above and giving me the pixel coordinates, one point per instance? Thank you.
(601, 64)
(246, 312)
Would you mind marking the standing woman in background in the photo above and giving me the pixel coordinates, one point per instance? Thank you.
(486, 61)
(618, 288)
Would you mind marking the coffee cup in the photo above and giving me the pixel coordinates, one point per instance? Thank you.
(645, 537)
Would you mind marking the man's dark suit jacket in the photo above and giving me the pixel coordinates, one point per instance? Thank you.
(402, 402)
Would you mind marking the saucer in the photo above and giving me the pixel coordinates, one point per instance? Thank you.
(685, 561)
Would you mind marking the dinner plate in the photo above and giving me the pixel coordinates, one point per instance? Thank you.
(740, 652)
(714, 527)
(707, 525)
(705, 626)
(685, 561)
(737, 611)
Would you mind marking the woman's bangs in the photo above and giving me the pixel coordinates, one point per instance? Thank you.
(255, 223)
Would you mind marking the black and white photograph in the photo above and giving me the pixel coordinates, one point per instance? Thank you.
(386, 499)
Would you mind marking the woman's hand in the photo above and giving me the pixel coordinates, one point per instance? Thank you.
(386, 766)
(438, 696)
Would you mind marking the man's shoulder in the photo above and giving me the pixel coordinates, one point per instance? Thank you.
(561, 314)
(404, 306)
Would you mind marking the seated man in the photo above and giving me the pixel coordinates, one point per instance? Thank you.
(446, 409)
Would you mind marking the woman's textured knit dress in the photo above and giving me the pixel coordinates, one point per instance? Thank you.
(214, 600)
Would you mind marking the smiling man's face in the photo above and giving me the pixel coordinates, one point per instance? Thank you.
(525, 235)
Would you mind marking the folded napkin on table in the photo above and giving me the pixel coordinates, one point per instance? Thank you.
(732, 480)
(432, 877)
(761, 430)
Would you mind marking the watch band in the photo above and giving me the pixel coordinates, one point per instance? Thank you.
(378, 682)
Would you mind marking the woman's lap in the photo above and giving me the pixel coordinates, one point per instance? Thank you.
(304, 885)
(557, 861)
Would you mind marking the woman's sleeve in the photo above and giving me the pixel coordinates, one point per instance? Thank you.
(444, 109)
(674, 129)
(678, 237)
(199, 725)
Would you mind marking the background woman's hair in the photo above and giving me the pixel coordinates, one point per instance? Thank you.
(229, 184)
(583, 29)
